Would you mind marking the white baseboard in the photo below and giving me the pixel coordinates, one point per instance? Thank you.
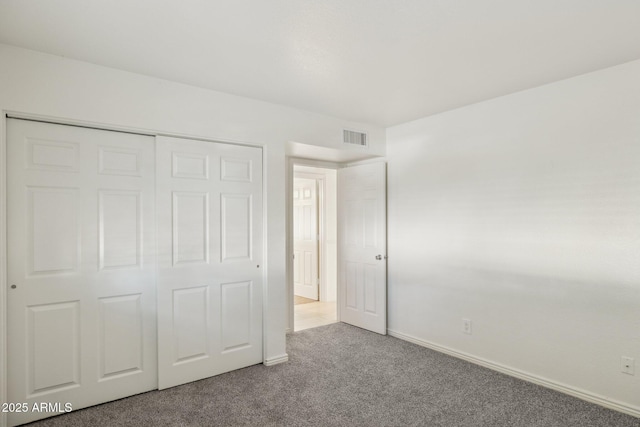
(563, 388)
(276, 360)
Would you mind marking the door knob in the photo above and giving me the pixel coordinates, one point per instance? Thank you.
(378, 257)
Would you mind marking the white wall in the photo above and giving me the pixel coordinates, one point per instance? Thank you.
(51, 86)
(522, 214)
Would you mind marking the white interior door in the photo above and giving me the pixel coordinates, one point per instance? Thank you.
(305, 237)
(81, 266)
(209, 200)
(362, 246)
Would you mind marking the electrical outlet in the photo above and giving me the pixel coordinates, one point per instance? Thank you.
(628, 365)
(466, 326)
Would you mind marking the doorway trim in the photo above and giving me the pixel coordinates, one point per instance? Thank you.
(291, 162)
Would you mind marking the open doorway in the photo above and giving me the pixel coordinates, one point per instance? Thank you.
(314, 220)
(352, 257)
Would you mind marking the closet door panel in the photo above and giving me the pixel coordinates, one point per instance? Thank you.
(209, 199)
(81, 268)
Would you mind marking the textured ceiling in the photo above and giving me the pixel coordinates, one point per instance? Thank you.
(377, 61)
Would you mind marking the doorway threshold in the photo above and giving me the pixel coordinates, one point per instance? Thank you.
(314, 314)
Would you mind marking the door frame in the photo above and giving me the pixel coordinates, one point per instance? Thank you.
(6, 114)
(291, 162)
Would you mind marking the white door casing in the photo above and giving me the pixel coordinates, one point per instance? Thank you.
(305, 235)
(362, 246)
(81, 266)
(209, 200)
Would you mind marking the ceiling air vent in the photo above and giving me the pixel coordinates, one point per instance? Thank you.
(355, 138)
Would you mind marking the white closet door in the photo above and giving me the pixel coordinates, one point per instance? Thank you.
(305, 240)
(81, 238)
(362, 246)
(209, 199)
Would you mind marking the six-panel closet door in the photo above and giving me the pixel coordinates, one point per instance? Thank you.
(209, 198)
(133, 262)
(81, 266)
